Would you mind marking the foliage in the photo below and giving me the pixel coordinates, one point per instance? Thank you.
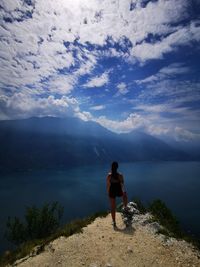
(66, 230)
(39, 223)
(140, 205)
(165, 217)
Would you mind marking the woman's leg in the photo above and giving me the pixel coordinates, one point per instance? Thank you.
(113, 206)
(125, 199)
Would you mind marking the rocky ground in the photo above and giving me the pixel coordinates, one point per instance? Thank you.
(101, 245)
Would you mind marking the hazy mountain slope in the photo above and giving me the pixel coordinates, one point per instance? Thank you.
(55, 142)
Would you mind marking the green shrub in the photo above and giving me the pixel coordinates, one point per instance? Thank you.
(39, 223)
(66, 230)
(165, 217)
(140, 205)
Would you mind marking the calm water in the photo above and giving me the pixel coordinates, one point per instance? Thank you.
(82, 190)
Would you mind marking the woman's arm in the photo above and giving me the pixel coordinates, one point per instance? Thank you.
(122, 183)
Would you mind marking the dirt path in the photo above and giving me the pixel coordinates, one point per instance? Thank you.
(101, 246)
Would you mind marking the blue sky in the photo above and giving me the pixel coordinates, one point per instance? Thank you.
(126, 64)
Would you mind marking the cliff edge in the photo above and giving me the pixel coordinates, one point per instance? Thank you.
(100, 245)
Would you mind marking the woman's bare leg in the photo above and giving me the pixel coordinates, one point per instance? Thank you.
(113, 206)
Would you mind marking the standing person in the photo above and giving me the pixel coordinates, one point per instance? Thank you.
(115, 188)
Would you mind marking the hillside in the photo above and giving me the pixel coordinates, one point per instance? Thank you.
(99, 245)
(59, 142)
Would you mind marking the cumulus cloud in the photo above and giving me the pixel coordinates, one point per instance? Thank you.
(133, 121)
(33, 47)
(182, 36)
(47, 47)
(24, 106)
(153, 123)
(122, 89)
(98, 81)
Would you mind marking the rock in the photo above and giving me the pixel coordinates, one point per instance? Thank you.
(129, 249)
(50, 248)
(155, 227)
(128, 213)
(37, 250)
(21, 260)
(108, 265)
(133, 204)
(170, 241)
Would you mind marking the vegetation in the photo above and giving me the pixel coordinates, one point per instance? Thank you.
(42, 226)
(172, 228)
(164, 216)
(140, 205)
(39, 223)
(20, 233)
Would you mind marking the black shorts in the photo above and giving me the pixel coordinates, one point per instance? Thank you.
(115, 190)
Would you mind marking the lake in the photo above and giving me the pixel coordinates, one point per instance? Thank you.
(82, 190)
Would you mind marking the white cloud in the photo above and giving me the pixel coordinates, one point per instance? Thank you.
(133, 121)
(122, 89)
(33, 48)
(182, 36)
(33, 53)
(99, 107)
(98, 81)
(169, 71)
(174, 69)
(153, 124)
(62, 84)
(24, 106)
(84, 115)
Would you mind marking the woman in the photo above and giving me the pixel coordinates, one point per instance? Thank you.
(115, 188)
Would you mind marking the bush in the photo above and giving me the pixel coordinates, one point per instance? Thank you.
(163, 215)
(39, 223)
(140, 205)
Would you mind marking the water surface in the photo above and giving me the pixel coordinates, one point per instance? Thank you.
(82, 190)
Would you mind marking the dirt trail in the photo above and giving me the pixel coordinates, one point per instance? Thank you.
(101, 246)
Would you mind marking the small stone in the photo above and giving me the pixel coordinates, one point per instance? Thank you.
(50, 248)
(129, 249)
(37, 250)
(108, 265)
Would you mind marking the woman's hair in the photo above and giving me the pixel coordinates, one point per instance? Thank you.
(114, 168)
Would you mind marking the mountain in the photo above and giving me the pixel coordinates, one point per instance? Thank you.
(191, 147)
(58, 142)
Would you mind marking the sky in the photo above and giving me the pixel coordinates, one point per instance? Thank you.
(126, 64)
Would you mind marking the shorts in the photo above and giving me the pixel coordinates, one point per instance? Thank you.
(115, 190)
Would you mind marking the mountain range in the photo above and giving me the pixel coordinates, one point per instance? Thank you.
(51, 142)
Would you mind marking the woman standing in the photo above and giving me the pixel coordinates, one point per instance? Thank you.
(115, 188)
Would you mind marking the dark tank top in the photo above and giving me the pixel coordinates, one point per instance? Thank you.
(115, 186)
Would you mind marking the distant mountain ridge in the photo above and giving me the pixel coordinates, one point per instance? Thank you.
(50, 142)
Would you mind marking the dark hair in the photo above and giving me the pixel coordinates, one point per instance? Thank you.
(114, 168)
